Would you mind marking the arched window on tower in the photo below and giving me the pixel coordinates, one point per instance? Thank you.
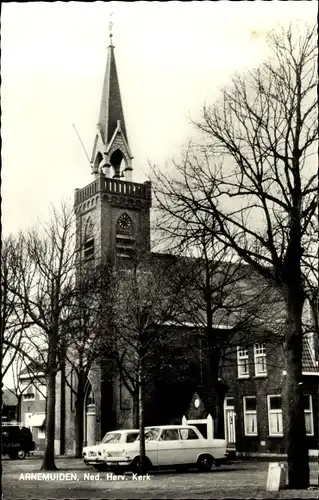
(116, 160)
(97, 162)
(88, 245)
(90, 399)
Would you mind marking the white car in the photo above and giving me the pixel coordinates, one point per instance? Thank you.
(112, 442)
(171, 445)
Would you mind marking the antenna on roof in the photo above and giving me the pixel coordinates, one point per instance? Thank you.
(87, 156)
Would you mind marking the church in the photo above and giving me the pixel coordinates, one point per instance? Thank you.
(112, 217)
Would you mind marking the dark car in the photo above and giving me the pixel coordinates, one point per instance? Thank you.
(17, 441)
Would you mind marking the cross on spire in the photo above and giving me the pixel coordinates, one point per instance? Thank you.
(110, 31)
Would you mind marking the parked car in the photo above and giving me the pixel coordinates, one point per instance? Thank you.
(112, 442)
(17, 441)
(171, 445)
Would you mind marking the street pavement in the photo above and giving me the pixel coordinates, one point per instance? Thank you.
(22, 479)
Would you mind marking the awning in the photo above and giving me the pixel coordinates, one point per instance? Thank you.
(37, 420)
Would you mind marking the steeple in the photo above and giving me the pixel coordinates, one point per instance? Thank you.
(111, 151)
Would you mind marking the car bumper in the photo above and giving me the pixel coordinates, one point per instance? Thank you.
(118, 461)
(93, 461)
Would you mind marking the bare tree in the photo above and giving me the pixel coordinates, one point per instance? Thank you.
(13, 317)
(227, 304)
(254, 181)
(310, 267)
(144, 302)
(85, 327)
(44, 294)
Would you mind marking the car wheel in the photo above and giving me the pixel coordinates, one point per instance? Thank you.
(21, 454)
(204, 463)
(13, 456)
(135, 466)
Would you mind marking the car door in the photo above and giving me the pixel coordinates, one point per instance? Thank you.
(170, 448)
(192, 444)
(151, 444)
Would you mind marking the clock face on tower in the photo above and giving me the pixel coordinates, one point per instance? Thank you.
(125, 222)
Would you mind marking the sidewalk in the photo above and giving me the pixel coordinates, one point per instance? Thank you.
(271, 457)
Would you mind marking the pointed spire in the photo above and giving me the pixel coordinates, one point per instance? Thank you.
(111, 151)
(111, 109)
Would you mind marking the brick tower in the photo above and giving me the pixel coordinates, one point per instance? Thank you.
(112, 212)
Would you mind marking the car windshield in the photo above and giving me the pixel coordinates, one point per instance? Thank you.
(152, 434)
(112, 437)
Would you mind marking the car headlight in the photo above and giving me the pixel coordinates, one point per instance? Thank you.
(106, 454)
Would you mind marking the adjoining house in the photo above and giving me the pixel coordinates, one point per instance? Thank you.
(32, 387)
(254, 413)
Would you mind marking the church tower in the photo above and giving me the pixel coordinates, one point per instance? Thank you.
(112, 224)
(112, 212)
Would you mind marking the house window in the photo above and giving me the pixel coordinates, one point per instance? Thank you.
(308, 414)
(275, 416)
(250, 416)
(260, 360)
(41, 433)
(89, 250)
(29, 395)
(242, 362)
(229, 402)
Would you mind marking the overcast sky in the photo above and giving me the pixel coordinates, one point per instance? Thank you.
(171, 58)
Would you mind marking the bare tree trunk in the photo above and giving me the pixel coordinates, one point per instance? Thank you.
(18, 411)
(141, 417)
(79, 416)
(298, 461)
(48, 460)
(216, 387)
(79, 426)
(62, 407)
(219, 430)
(136, 410)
